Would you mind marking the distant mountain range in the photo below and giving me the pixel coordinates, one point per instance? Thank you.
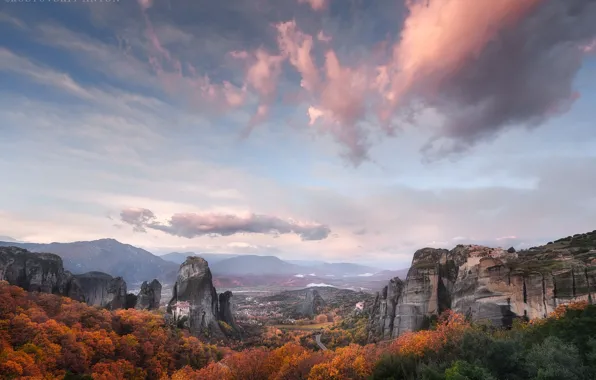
(212, 258)
(272, 265)
(134, 264)
(255, 265)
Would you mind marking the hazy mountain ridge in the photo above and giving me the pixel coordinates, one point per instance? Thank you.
(136, 265)
(107, 255)
(180, 257)
(254, 265)
(273, 265)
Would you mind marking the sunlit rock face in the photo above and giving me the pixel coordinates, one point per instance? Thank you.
(194, 290)
(486, 284)
(41, 272)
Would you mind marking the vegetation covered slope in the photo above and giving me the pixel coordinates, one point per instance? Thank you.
(47, 336)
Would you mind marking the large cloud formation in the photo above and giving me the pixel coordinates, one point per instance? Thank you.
(190, 225)
(491, 65)
(483, 66)
(486, 65)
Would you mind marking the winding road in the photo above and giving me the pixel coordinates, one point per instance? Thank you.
(318, 340)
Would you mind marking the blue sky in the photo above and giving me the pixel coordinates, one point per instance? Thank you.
(129, 120)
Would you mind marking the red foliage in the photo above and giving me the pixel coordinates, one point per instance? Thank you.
(44, 336)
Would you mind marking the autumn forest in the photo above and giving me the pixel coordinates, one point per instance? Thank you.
(46, 336)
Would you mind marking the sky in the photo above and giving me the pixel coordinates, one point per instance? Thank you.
(337, 130)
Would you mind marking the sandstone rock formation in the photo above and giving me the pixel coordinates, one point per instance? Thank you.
(312, 304)
(195, 297)
(149, 296)
(486, 284)
(42, 272)
(101, 289)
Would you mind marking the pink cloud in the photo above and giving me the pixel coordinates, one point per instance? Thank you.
(483, 66)
(188, 83)
(296, 47)
(323, 37)
(262, 76)
(191, 225)
(438, 38)
(589, 47)
(316, 5)
(145, 4)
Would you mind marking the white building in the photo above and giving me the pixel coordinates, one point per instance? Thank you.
(360, 306)
(181, 309)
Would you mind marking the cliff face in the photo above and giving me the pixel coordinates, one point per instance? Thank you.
(42, 272)
(486, 284)
(101, 289)
(225, 310)
(149, 296)
(312, 304)
(195, 287)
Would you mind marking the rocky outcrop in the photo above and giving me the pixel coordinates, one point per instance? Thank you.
(149, 296)
(101, 289)
(225, 310)
(131, 301)
(313, 302)
(488, 284)
(194, 297)
(44, 272)
(41, 272)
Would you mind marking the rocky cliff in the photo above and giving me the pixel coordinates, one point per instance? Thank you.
(108, 256)
(484, 283)
(194, 287)
(225, 310)
(313, 302)
(101, 289)
(149, 296)
(42, 272)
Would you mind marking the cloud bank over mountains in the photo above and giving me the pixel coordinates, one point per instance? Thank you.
(190, 225)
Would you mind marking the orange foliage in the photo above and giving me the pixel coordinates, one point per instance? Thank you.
(449, 328)
(49, 335)
(352, 362)
(560, 311)
(44, 336)
(214, 371)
